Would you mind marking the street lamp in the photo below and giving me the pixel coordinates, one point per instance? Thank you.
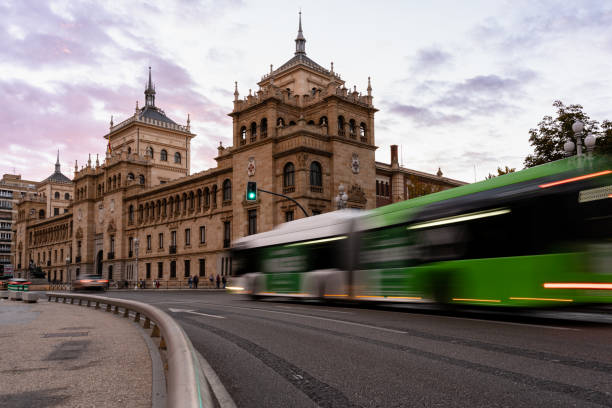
(136, 244)
(341, 198)
(68, 269)
(589, 141)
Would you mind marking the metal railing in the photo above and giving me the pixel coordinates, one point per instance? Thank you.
(185, 380)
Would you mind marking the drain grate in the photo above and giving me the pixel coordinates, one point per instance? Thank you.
(65, 334)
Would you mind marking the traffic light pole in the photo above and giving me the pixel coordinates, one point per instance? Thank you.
(284, 196)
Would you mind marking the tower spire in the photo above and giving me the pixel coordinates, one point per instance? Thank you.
(150, 92)
(300, 41)
(57, 163)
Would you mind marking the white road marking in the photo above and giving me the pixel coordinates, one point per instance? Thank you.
(195, 313)
(316, 310)
(319, 318)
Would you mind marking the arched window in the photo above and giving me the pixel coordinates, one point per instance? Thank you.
(115, 181)
(149, 151)
(323, 121)
(352, 128)
(316, 176)
(141, 179)
(131, 214)
(177, 157)
(243, 133)
(129, 150)
(292, 123)
(206, 197)
(140, 212)
(253, 131)
(41, 214)
(164, 204)
(263, 127)
(199, 199)
(227, 190)
(57, 195)
(171, 203)
(191, 200)
(362, 131)
(184, 202)
(66, 196)
(177, 204)
(340, 125)
(377, 188)
(130, 176)
(289, 175)
(158, 207)
(387, 189)
(214, 195)
(163, 155)
(280, 122)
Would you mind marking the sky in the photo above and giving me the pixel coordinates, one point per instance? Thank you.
(458, 85)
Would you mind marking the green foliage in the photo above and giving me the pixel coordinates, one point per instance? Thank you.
(417, 188)
(552, 133)
(501, 172)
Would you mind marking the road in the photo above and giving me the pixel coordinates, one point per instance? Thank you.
(279, 353)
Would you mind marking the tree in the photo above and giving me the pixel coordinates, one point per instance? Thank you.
(501, 172)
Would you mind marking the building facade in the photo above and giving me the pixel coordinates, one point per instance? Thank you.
(142, 215)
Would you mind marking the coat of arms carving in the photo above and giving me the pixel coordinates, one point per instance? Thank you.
(251, 167)
(355, 163)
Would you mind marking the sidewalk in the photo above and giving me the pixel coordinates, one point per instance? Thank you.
(62, 355)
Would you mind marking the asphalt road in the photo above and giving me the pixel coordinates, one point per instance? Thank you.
(278, 353)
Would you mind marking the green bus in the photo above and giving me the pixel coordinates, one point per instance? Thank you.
(535, 238)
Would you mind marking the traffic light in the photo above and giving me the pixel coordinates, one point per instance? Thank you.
(251, 193)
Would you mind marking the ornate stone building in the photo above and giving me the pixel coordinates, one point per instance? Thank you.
(141, 215)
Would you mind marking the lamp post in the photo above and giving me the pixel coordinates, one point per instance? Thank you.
(68, 270)
(589, 141)
(341, 198)
(136, 251)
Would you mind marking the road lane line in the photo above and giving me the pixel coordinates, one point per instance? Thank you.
(194, 313)
(320, 318)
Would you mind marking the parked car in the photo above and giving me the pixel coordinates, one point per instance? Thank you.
(94, 282)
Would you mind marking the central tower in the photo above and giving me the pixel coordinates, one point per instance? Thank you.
(303, 133)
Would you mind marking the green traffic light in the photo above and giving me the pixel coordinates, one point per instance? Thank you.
(251, 196)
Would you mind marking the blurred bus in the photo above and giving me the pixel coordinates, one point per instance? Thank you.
(538, 237)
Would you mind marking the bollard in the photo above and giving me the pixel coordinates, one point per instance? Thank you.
(162, 344)
(65, 299)
(147, 323)
(56, 299)
(97, 305)
(137, 317)
(126, 312)
(88, 303)
(108, 308)
(116, 310)
(155, 332)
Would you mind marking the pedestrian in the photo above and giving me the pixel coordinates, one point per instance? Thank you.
(190, 282)
(195, 281)
(218, 281)
(224, 281)
(211, 279)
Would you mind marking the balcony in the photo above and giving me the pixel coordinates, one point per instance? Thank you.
(77, 259)
(172, 249)
(111, 255)
(316, 189)
(289, 189)
(18, 266)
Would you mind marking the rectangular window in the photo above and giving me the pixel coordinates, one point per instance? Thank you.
(160, 270)
(130, 244)
(148, 270)
(148, 242)
(112, 243)
(288, 216)
(202, 267)
(187, 268)
(173, 238)
(188, 236)
(56, 211)
(202, 235)
(161, 240)
(62, 255)
(252, 216)
(227, 236)
(79, 248)
(172, 269)
(55, 255)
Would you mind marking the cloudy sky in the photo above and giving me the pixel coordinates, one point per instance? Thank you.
(458, 84)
